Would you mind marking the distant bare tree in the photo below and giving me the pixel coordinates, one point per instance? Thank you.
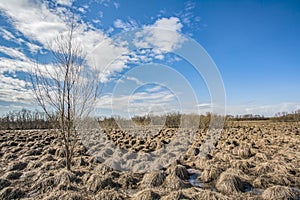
(67, 87)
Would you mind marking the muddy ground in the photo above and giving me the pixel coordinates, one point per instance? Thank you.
(250, 160)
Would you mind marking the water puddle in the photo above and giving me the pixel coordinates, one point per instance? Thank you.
(256, 191)
(193, 177)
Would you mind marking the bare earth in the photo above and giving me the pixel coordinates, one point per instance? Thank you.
(251, 160)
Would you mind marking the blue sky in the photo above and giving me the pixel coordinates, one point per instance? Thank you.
(254, 44)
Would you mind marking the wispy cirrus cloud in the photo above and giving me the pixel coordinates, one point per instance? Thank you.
(126, 26)
(134, 79)
(14, 90)
(13, 53)
(7, 35)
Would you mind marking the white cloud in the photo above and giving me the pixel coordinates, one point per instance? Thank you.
(12, 65)
(65, 2)
(14, 53)
(117, 5)
(9, 36)
(172, 24)
(159, 57)
(37, 22)
(189, 6)
(164, 35)
(82, 10)
(154, 89)
(14, 90)
(33, 19)
(6, 34)
(151, 42)
(108, 58)
(126, 26)
(137, 81)
(139, 103)
(32, 47)
(204, 106)
(187, 16)
(40, 23)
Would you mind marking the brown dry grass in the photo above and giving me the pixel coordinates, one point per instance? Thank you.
(230, 183)
(264, 155)
(153, 179)
(280, 193)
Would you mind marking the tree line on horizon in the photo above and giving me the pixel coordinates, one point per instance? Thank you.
(27, 119)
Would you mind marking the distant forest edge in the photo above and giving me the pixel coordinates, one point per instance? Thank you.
(27, 119)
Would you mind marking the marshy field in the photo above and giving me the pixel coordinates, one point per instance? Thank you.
(251, 160)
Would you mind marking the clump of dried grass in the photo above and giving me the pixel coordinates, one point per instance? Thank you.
(201, 163)
(173, 182)
(269, 179)
(66, 195)
(50, 165)
(65, 178)
(260, 157)
(243, 152)
(102, 169)
(280, 192)
(44, 184)
(181, 172)
(243, 165)
(80, 161)
(153, 179)
(273, 166)
(146, 194)
(230, 183)
(176, 195)
(96, 183)
(111, 195)
(263, 168)
(200, 194)
(29, 176)
(130, 180)
(224, 156)
(34, 164)
(211, 173)
(47, 157)
(239, 173)
(59, 152)
(206, 194)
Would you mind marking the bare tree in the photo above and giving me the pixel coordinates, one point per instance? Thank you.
(67, 87)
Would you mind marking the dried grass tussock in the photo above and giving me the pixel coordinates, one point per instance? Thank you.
(146, 194)
(205, 194)
(280, 192)
(251, 160)
(229, 183)
(153, 179)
